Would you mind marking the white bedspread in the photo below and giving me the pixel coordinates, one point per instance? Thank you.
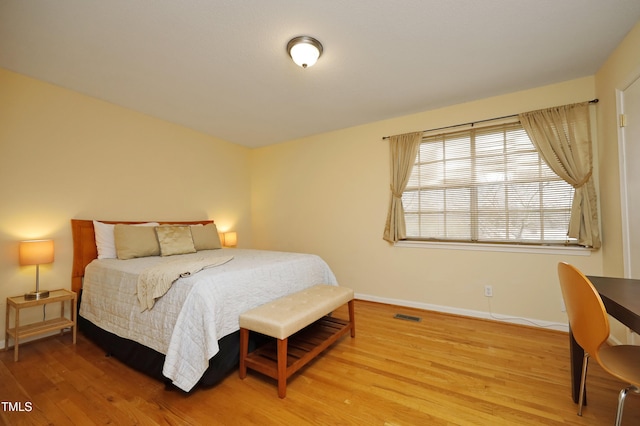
(187, 322)
(154, 282)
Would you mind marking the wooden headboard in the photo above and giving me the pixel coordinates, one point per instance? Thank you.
(84, 245)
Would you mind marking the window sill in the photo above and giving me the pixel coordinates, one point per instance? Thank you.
(508, 248)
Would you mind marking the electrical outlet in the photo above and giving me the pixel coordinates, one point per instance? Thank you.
(488, 291)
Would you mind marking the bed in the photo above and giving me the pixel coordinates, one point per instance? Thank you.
(189, 336)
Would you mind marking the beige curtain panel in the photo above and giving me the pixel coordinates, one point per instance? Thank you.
(562, 136)
(403, 149)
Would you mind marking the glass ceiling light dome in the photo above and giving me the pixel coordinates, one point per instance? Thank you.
(304, 50)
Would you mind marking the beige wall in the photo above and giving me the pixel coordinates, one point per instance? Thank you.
(616, 74)
(64, 155)
(329, 195)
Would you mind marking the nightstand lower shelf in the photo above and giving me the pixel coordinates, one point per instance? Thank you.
(40, 327)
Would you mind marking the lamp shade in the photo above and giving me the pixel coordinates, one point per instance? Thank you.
(304, 50)
(36, 252)
(230, 239)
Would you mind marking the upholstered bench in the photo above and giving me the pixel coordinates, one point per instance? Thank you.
(302, 328)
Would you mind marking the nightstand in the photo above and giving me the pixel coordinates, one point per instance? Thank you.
(21, 331)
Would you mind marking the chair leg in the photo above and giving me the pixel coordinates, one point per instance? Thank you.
(621, 398)
(583, 382)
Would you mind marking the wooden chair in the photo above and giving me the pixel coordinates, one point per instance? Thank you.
(589, 324)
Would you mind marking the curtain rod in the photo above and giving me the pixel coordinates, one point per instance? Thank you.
(472, 123)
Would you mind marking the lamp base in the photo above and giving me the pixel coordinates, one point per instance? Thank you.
(37, 295)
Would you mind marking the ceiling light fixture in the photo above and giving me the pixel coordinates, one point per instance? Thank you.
(304, 50)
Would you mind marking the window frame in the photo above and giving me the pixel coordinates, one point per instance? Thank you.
(471, 131)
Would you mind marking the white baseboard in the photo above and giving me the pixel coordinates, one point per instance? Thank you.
(466, 312)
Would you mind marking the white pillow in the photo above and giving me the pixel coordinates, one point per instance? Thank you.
(105, 240)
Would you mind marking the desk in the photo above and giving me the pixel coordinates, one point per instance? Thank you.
(621, 298)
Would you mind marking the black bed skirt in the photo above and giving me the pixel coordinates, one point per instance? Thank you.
(150, 361)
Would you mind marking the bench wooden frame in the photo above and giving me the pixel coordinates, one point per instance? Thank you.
(283, 357)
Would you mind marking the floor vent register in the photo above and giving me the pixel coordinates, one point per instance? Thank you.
(407, 317)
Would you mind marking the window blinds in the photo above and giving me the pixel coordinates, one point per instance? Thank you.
(485, 185)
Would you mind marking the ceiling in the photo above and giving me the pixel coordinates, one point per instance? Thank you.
(220, 66)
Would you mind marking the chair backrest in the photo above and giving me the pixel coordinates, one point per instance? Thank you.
(587, 315)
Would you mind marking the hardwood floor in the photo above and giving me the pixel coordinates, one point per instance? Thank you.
(444, 370)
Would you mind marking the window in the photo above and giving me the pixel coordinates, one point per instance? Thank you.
(485, 185)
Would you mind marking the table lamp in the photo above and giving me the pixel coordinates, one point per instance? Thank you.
(36, 252)
(230, 239)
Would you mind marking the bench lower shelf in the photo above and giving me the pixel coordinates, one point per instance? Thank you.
(299, 349)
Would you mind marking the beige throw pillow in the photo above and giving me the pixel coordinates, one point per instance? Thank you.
(135, 241)
(175, 240)
(206, 237)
